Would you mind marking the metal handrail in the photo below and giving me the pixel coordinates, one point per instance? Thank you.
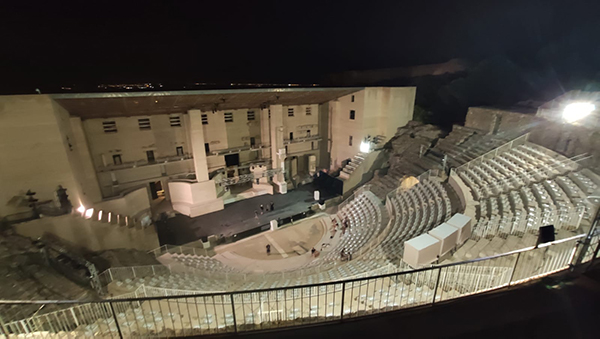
(495, 150)
(464, 281)
(139, 163)
(579, 236)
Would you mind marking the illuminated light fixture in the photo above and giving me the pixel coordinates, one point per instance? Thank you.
(81, 209)
(365, 146)
(89, 213)
(100, 215)
(577, 110)
(109, 216)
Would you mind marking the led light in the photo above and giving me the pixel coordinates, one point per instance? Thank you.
(577, 111)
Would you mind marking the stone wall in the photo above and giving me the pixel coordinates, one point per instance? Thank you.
(486, 119)
(566, 139)
(38, 152)
(133, 203)
(90, 234)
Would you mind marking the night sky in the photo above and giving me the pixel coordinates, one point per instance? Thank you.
(49, 44)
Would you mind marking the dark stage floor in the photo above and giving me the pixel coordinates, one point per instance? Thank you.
(236, 217)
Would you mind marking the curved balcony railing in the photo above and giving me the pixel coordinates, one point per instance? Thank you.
(164, 313)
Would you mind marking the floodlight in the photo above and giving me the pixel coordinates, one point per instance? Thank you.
(577, 110)
(365, 147)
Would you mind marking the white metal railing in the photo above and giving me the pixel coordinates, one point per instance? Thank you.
(157, 252)
(502, 148)
(140, 163)
(355, 194)
(167, 312)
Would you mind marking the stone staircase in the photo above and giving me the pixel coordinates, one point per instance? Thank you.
(360, 157)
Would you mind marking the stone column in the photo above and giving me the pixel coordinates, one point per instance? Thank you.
(265, 132)
(325, 133)
(197, 144)
(198, 198)
(336, 137)
(277, 148)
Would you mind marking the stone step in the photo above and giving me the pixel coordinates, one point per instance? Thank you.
(474, 251)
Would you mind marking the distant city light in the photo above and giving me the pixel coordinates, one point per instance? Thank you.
(365, 146)
(577, 110)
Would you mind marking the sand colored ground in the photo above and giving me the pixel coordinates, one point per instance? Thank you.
(305, 234)
(290, 247)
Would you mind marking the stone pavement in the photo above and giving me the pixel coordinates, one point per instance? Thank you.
(235, 218)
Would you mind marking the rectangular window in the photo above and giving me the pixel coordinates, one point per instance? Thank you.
(144, 123)
(204, 119)
(179, 150)
(150, 156)
(175, 120)
(290, 112)
(228, 117)
(252, 141)
(352, 114)
(250, 115)
(308, 110)
(291, 135)
(313, 145)
(350, 141)
(207, 147)
(352, 99)
(308, 133)
(109, 126)
(117, 159)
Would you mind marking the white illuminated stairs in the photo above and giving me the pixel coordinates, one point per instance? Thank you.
(352, 165)
(359, 158)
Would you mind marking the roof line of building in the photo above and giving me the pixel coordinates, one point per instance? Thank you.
(198, 92)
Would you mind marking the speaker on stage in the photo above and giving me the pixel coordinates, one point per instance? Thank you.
(545, 235)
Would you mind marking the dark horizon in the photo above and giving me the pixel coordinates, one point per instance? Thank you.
(51, 46)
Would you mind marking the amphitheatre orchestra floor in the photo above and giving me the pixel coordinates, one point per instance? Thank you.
(290, 247)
